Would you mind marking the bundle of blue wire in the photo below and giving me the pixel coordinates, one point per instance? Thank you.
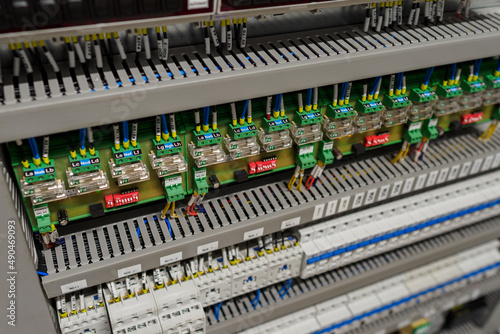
(375, 85)
(477, 66)
(309, 96)
(217, 311)
(164, 124)
(83, 133)
(399, 81)
(256, 300)
(34, 148)
(278, 102)
(206, 111)
(453, 71)
(245, 107)
(285, 288)
(125, 131)
(428, 75)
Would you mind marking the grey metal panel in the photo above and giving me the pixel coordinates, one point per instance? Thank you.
(246, 206)
(133, 235)
(154, 230)
(255, 203)
(262, 200)
(144, 233)
(102, 242)
(222, 216)
(124, 239)
(203, 221)
(229, 210)
(81, 246)
(60, 259)
(113, 241)
(175, 228)
(211, 215)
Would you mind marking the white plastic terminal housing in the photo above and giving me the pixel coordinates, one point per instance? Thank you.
(129, 173)
(420, 111)
(207, 155)
(391, 117)
(274, 141)
(168, 164)
(85, 183)
(491, 96)
(471, 100)
(367, 122)
(93, 320)
(335, 128)
(306, 134)
(447, 106)
(44, 191)
(241, 148)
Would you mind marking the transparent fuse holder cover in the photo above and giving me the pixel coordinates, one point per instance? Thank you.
(337, 128)
(420, 111)
(241, 148)
(275, 140)
(306, 134)
(491, 96)
(44, 192)
(207, 155)
(129, 173)
(393, 117)
(367, 122)
(85, 183)
(471, 100)
(445, 106)
(168, 164)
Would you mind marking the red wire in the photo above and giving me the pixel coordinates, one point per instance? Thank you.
(309, 182)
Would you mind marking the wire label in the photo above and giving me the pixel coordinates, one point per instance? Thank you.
(207, 248)
(290, 223)
(168, 146)
(164, 260)
(71, 287)
(253, 234)
(127, 154)
(39, 171)
(318, 211)
(330, 208)
(197, 4)
(129, 270)
(85, 162)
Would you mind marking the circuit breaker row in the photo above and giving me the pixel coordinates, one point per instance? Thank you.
(427, 285)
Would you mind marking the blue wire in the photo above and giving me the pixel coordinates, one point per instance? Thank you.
(34, 148)
(256, 300)
(217, 311)
(453, 71)
(287, 288)
(402, 74)
(41, 273)
(164, 124)
(83, 133)
(478, 66)
(169, 227)
(278, 102)
(309, 96)
(498, 65)
(428, 75)
(138, 232)
(375, 85)
(245, 109)
(206, 110)
(343, 91)
(125, 131)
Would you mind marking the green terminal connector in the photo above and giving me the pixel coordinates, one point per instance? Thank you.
(305, 157)
(200, 180)
(88, 163)
(305, 118)
(210, 137)
(325, 153)
(492, 81)
(43, 172)
(173, 188)
(126, 155)
(242, 131)
(42, 216)
(368, 107)
(448, 92)
(473, 86)
(164, 147)
(395, 102)
(276, 123)
(412, 134)
(429, 129)
(422, 96)
(340, 111)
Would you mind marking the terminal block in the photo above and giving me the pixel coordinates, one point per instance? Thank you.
(210, 137)
(448, 101)
(412, 134)
(325, 153)
(81, 164)
(207, 155)
(305, 157)
(367, 122)
(276, 123)
(492, 82)
(129, 173)
(166, 147)
(473, 94)
(168, 164)
(492, 94)
(337, 112)
(42, 216)
(249, 274)
(304, 118)
(275, 140)
(44, 172)
(397, 109)
(44, 191)
(336, 128)
(186, 319)
(241, 148)
(306, 134)
(123, 155)
(242, 131)
(429, 128)
(87, 182)
(173, 188)
(200, 180)
(368, 107)
(284, 262)
(422, 104)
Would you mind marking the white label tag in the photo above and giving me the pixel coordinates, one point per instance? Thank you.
(176, 257)
(465, 169)
(129, 270)
(396, 188)
(318, 211)
(415, 126)
(41, 211)
(328, 146)
(306, 150)
(71, 287)
(408, 185)
(358, 200)
(433, 122)
(207, 248)
(487, 163)
(420, 182)
(432, 178)
(453, 172)
(197, 4)
(173, 181)
(200, 174)
(403, 323)
(370, 196)
(290, 223)
(138, 43)
(344, 203)
(253, 234)
(443, 174)
(384, 192)
(476, 166)
(330, 208)
(496, 162)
